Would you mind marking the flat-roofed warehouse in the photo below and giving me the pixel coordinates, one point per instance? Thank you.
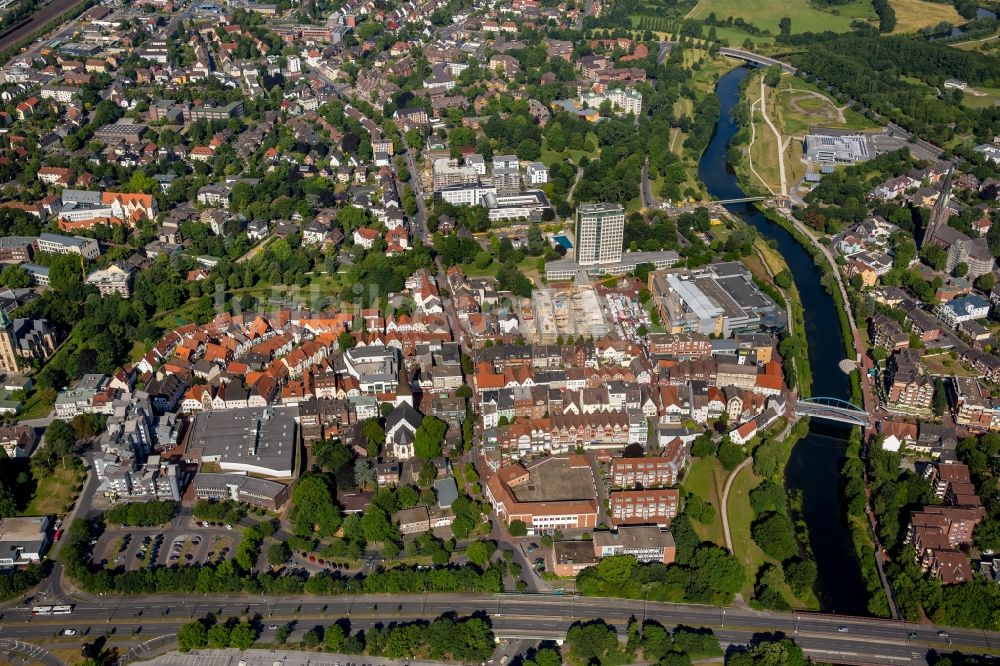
(255, 440)
(718, 299)
(837, 148)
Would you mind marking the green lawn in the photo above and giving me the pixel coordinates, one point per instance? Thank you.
(706, 478)
(985, 101)
(943, 365)
(550, 157)
(736, 36)
(806, 16)
(55, 493)
(797, 109)
(740, 518)
(35, 407)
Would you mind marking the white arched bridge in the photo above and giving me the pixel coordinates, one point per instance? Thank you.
(832, 409)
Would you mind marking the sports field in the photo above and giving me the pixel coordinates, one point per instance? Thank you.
(805, 16)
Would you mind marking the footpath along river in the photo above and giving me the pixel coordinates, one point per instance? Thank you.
(816, 461)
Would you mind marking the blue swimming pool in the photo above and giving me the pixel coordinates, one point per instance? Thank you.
(563, 240)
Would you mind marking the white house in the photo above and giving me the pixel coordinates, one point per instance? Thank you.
(537, 173)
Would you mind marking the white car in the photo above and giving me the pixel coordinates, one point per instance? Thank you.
(69, 632)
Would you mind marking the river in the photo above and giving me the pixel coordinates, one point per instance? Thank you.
(814, 467)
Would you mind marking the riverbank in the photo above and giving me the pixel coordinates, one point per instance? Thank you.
(860, 536)
(813, 467)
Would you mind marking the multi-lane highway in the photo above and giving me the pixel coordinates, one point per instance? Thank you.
(826, 637)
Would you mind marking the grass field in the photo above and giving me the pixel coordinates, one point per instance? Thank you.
(735, 37)
(550, 157)
(944, 365)
(741, 517)
(979, 101)
(798, 105)
(55, 493)
(764, 147)
(706, 478)
(765, 14)
(912, 15)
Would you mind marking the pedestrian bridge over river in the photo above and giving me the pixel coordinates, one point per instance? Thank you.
(832, 409)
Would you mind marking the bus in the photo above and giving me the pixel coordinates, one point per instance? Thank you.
(52, 610)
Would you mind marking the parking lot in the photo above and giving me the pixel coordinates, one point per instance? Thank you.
(132, 548)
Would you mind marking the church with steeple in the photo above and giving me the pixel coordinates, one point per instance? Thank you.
(973, 252)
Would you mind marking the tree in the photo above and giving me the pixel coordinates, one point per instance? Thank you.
(775, 534)
(785, 26)
(243, 636)
(593, 641)
(697, 643)
(333, 638)
(331, 455)
(783, 652)
(313, 637)
(985, 282)
(374, 435)
(772, 77)
(479, 552)
(783, 279)
(314, 508)
(536, 243)
(768, 497)
(364, 473)
(15, 277)
(428, 440)
(767, 458)
(140, 182)
(699, 509)
(219, 636)
(731, 455)
(934, 256)
(146, 514)
(962, 269)
(704, 445)
(940, 401)
(346, 341)
(192, 636)
(517, 528)
(60, 443)
(65, 272)
(800, 576)
(278, 553)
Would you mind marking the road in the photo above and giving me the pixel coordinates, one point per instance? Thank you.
(757, 58)
(828, 637)
(419, 222)
(648, 200)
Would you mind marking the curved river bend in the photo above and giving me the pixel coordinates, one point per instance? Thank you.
(814, 467)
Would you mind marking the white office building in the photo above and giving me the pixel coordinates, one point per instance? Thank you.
(537, 173)
(467, 195)
(600, 233)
